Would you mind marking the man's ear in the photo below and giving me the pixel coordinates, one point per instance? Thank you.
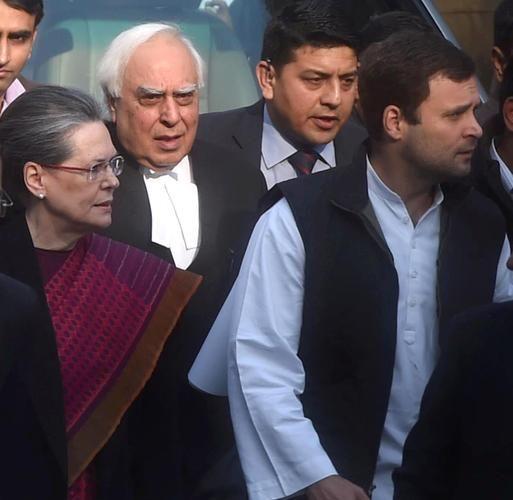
(498, 63)
(393, 122)
(266, 75)
(507, 114)
(111, 103)
(33, 175)
(34, 36)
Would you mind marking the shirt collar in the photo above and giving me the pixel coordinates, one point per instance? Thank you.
(275, 148)
(181, 172)
(378, 187)
(506, 174)
(13, 91)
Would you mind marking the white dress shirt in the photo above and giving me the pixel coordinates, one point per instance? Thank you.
(415, 252)
(506, 174)
(13, 91)
(174, 206)
(276, 149)
(261, 322)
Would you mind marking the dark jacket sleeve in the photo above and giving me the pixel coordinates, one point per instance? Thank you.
(28, 466)
(18, 312)
(430, 455)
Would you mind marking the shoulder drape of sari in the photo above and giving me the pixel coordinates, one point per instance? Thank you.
(112, 307)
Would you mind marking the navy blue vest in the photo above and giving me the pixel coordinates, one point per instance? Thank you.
(349, 328)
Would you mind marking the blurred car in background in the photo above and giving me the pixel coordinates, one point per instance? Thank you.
(228, 34)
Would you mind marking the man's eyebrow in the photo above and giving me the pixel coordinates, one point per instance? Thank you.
(322, 74)
(193, 87)
(316, 72)
(458, 109)
(20, 33)
(149, 91)
(349, 74)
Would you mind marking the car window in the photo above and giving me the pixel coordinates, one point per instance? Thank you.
(74, 34)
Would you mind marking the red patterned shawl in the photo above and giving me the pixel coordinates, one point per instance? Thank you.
(112, 307)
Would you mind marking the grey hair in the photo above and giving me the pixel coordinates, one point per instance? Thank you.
(37, 126)
(112, 65)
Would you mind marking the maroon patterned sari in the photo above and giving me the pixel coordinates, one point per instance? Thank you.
(112, 308)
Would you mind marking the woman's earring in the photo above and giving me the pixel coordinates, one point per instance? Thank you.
(41, 196)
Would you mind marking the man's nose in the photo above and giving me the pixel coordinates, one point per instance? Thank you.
(5, 52)
(474, 129)
(169, 112)
(332, 93)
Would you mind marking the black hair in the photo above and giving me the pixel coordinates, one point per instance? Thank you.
(505, 92)
(33, 7)
(319, 23)
(381, 26)
(503, 28)
(397, 72)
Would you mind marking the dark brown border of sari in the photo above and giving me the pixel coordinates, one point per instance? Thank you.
(103, 421)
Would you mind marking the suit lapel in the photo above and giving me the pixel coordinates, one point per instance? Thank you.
(18, 260)
(248, 133)
(492, 173)
(131, 213)
(131, 210)
(204, 168)
(348, 141)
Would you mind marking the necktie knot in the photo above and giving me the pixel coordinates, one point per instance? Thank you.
(303, 161)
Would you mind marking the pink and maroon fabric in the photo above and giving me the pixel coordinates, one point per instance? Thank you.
(100, 300)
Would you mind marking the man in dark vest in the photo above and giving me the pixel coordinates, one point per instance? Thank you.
(307, 75)
(336, 319)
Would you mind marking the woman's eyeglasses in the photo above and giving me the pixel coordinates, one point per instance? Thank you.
(97, 171)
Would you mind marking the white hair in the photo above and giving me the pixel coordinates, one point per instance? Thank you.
(112, 65)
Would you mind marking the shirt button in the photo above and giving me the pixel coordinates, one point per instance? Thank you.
(413, 244)
(412, 302)
(413, 274)
(405, 219)
(409, 337)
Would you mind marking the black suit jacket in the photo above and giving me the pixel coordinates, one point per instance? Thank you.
(188, 434)
(33, 461)
(241, 129)
(486, 176)
(228, 191)
(462, 446)
(28, 84)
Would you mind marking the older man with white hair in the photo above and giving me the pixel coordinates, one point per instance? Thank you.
(186, 201)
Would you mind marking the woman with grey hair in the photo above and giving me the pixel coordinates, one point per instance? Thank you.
(111, 307)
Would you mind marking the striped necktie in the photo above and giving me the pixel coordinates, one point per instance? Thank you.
(303, 161)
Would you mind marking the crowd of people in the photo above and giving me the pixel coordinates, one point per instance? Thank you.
(308, 297)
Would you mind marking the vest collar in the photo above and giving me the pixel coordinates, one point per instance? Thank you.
(349, 190)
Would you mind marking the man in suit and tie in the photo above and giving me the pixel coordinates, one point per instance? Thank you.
(183, 200)
(307, 75)
(18, 25)
(492, 166)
